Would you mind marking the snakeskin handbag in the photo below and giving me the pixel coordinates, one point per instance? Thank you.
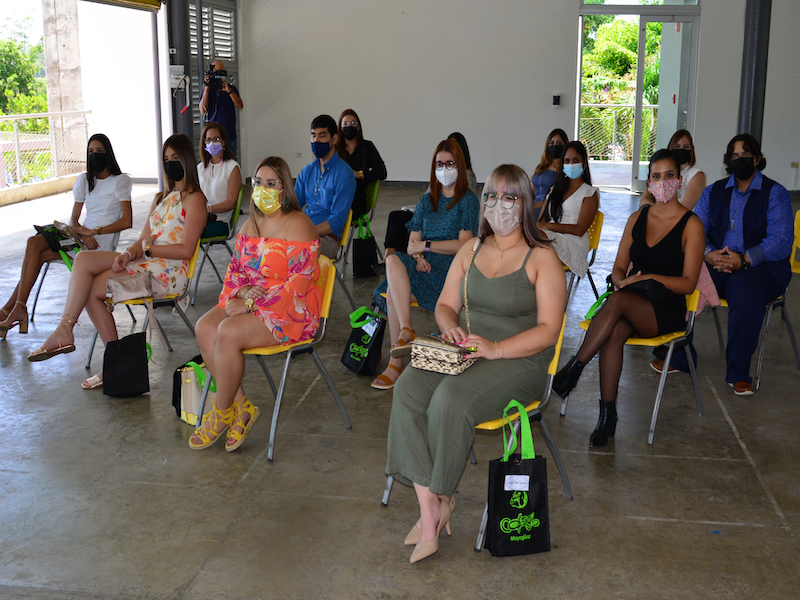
(431, 353)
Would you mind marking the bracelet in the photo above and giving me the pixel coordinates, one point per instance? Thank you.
(497, 350)
(130, 257)
(99, 230)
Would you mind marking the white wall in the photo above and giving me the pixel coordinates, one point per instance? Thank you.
(414, 71)
(117, 74)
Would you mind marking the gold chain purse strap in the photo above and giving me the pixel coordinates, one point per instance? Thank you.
(466, 275)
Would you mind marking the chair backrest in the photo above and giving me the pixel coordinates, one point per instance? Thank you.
(327, 278)
(193, 262)
(372, 195)
(345, 237)
(594, 231)
(235, 218)
(553, 367)
(692, 303)
(794, 257)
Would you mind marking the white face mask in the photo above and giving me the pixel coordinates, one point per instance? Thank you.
(445, 177)
(502, 220)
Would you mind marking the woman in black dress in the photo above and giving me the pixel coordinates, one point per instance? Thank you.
(361, 155)
(665, 242)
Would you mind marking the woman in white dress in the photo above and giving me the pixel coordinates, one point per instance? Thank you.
(570, 209)
(693, 180)
(220, 179)
(105, 191)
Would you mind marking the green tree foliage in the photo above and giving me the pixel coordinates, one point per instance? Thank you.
(21, 71)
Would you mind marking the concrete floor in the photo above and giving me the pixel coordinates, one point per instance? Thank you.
(102, 498)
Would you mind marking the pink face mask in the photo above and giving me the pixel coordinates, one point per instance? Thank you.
(664, 190)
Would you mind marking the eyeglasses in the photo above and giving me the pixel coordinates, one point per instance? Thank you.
(449, 165)
(213, 140)
(267, 183)
(507, 201)
(349, 123)
(743, 155)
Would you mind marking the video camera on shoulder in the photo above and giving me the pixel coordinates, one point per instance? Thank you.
(215, 77)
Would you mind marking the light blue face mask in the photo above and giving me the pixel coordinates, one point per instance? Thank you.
(573, 171)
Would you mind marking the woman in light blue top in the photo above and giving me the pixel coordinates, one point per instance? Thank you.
(546, 173)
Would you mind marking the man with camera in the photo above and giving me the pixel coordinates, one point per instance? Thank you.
(219, 100)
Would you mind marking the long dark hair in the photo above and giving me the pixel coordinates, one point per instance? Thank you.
(751, 145)
(111, 160)
(515, 182)
(547, 160)
(553, 210)
(462, 185)
(227, 154)
(462, 143)
(183, 147)
(341, 149)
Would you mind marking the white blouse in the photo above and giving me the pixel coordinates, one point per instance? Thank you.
(103, 203)
(687, 176)
(214, 183)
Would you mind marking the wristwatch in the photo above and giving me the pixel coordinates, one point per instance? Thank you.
(147, 251)
(248, 304)
(428, 246)
(745, 265)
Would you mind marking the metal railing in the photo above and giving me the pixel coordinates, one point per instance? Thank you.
(607, 131)
(40, 146)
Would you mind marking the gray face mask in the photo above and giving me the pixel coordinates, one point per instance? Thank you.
(502, 220)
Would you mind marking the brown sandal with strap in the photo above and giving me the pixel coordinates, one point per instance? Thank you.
(403, 347)
(382, 382)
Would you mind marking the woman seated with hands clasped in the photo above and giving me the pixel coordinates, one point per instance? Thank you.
(570, 209)
(665, 242)
(270, 296)
(164, 248)
(506, 299)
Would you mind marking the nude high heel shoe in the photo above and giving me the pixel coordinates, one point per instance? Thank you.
(425, 549)
(5, 326)
(412, 539)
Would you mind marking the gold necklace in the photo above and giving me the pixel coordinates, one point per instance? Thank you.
(502, 252)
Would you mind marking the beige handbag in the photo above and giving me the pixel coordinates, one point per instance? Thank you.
(430, 353)
(193, 379)
(129, 287)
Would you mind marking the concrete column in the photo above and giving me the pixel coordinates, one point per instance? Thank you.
(64, 84)
(179, 41)
(754, 67)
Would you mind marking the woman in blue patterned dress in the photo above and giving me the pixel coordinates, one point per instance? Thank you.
(444, 220)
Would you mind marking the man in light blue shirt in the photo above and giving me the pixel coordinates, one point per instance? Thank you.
(326, 186)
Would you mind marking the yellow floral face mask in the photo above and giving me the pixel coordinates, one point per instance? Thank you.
(267, 200)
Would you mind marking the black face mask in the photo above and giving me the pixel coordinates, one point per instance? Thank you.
(743, 168)
(174, 170)
(98, 161)
(349, 133)
(556, 151)
(684, 155)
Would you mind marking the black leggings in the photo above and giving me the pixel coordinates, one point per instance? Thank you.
(623, 315)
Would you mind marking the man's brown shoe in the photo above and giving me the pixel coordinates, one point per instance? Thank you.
(742, 388)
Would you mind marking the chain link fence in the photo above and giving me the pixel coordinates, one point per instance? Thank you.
(607, 131)
(41, 146)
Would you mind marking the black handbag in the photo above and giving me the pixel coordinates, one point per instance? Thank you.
(363, 351)
(365, 250)
(125, 367)
(650, 289)
(519, 521)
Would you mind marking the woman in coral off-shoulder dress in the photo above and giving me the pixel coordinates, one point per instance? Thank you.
(270, 296)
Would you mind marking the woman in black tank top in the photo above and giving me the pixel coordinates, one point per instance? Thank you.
(665, 242)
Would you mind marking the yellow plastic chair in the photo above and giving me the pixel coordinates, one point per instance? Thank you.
(172, 301)
(677, 339)
(534, 410)
(594, 242)
(206, 243)
(326, 282)
(342, 257)
(780, 302)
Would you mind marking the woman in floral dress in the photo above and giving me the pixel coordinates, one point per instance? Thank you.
(167, 242)
(270, 296)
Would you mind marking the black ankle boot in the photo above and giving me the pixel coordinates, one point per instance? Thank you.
(606, 425)
(567, 378)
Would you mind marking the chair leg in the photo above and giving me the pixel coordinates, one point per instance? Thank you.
(762, 343)
(378, 249)
(344, 287)
(130, 312)
(472, 458)
(387, 492)
(332, 387)
(594, 287)
(564, 401)
(719, 328)
(571, 284)
(160, 328)
(273, 430)
(216, 271)
(91, 349)
(551, 443)
(661, 384)
(269, 377)
(40, 281)
(785, 316)
(202, 407)
(347, 248)
(482, 529)
(695, 382)
(184, 317)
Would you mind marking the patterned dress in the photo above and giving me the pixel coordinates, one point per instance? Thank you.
(289, 272)
(168, 222)
(444, 224)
